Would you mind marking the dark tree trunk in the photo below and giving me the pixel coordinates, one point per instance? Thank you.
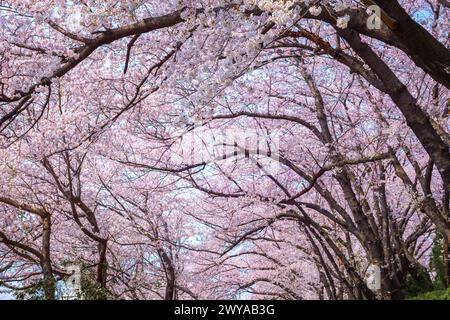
(49, 280)
(416, 118)
(425, 50)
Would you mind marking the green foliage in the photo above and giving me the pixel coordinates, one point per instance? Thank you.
(434, 295)
(437, 264)
(34, 292)
(419, 284)
(419, 289)
(91, 290)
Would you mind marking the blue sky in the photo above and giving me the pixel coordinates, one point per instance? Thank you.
(4, 296)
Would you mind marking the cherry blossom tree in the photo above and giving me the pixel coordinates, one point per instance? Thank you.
(224, 149)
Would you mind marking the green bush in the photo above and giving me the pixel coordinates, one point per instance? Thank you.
(434, 295)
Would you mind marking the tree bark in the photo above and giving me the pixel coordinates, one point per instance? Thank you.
(49, 280)
(424, 49)
(416, 118)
